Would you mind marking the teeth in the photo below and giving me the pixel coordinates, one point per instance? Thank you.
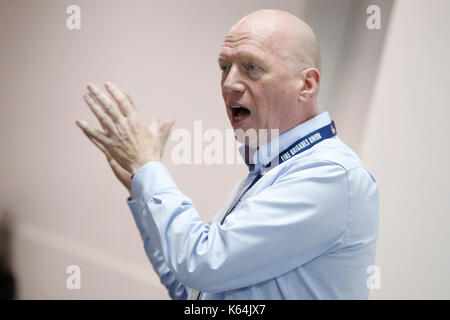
(237, 118)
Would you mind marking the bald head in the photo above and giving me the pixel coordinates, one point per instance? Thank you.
(270, 64)
(287, 36)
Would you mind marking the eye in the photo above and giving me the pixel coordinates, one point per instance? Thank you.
(223, 68)
(252, 67)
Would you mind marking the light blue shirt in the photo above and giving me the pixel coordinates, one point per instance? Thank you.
(306, 230)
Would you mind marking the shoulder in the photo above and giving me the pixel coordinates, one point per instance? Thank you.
(335, 151)
(330, 159)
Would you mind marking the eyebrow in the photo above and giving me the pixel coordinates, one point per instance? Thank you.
(243, 56)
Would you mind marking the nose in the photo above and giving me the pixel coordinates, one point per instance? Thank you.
(233, 81)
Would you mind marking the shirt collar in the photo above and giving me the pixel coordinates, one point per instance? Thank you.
(261, 157)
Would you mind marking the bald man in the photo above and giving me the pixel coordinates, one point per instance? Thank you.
(303, 224)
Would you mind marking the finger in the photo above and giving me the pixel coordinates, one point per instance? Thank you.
(127, 94)
(118, 170)
(124, 105)
(102, 117)
(102, 148)
(93, 133)
(154, 125)
(165, 130)
(113, 163)
(105, 152)
(107, 132)
(110, 108)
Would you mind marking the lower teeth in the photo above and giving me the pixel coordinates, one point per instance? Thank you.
(238, 118)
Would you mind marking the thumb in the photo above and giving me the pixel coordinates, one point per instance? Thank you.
(165, 130)
(153, 125)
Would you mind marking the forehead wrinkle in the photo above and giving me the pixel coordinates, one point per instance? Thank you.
(241, 53)
(244, 37)
(282, 34)
(239, 41)
(272, 41)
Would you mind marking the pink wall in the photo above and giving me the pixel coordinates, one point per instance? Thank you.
(65, 204)
(405, 143)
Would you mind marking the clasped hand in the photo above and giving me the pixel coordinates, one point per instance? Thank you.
(127, 141)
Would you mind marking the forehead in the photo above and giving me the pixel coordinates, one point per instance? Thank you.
(245, 45)
(251, 44)
(242, 53)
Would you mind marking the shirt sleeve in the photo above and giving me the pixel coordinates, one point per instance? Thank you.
(176, 289)
(301, 216)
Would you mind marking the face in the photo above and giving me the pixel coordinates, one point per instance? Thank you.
(258, 87)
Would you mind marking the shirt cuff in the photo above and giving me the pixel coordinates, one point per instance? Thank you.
(137, 217)
(133, 205)
(152, 178)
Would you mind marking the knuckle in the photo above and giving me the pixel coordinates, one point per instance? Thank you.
(123, 124)
(107, 107)
(131, 121)
(123, 104)
(114, 144)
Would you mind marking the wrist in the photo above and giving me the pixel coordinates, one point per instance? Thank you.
(136, 167)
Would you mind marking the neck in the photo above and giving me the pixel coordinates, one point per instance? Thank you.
(305, 113)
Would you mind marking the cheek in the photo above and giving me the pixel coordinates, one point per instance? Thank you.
(271, 100)
(276, 107)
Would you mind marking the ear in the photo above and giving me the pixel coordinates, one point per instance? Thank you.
(309, 85)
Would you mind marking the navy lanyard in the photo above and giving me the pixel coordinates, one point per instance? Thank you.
(294, 149)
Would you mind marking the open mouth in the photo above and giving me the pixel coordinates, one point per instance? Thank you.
(239, 113)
